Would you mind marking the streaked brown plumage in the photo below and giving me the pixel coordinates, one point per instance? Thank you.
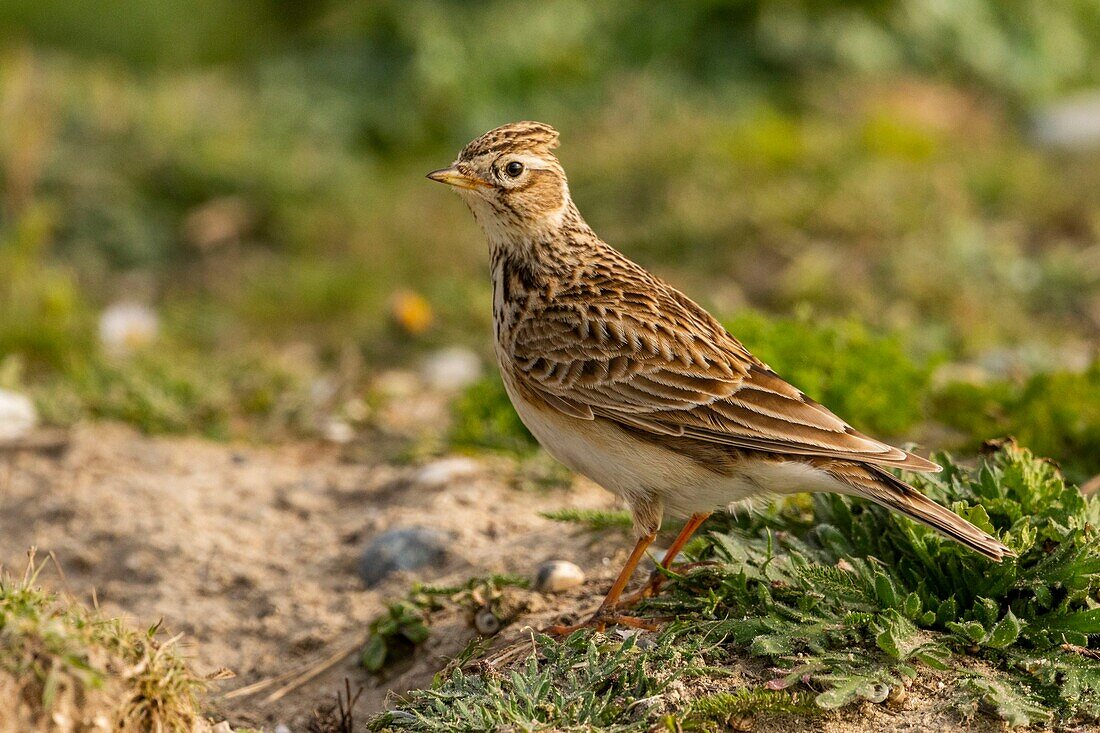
(625, 379)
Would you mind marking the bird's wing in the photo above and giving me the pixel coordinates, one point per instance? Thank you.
(657, 362)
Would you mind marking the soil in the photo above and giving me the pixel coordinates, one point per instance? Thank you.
(251, 553)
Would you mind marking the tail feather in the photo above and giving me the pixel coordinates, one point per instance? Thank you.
(882, 487)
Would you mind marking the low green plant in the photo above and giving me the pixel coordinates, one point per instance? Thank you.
(168, 389)
(394, 635)
(1055, 414)
(405, 624)
(62, 661)
(485, 419)
(582, 683)
(840, 601)
(852, 599)
(593, 519)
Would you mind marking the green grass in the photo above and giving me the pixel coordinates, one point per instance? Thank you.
(64, 661)
(836, 601)
(1054, 414)
(234, 203)
(484, 419)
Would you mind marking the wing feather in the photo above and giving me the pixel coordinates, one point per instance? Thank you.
(653, 360)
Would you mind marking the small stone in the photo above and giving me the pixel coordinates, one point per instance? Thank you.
(222, 727)
(895, 699)
(555, 576)
(406, 548)
(17, 415)
(1091, 486)
(446, 471)
(1069, 124)
(486, 622)
(282, 728)
(451, 369)
(127, 327)
(338, 431)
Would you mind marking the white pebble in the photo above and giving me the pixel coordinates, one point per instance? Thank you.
(555, 576)
(127, 327)
(451, 368)
(17, 415)
(446, 471)
(338, 431)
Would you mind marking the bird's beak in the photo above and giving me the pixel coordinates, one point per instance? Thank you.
(454, 177)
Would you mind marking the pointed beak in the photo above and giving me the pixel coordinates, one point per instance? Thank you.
(454, 177)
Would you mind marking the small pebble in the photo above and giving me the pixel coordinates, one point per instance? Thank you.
(222, 727)
(338, 431)
(127, 327)
(17, 415)
(896, 698)
(486, 622)
(282, 728)
(396, 384)
(1072, 123)
(452, 368)
(406, 548)
(555, 576)
(446, 471)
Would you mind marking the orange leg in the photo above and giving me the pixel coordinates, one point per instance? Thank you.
(657, 579)
(605, 613)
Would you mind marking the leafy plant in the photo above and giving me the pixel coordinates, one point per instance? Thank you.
(854, 599)
(405, 624)
(394, 635)
(579, 684)
(843, 601)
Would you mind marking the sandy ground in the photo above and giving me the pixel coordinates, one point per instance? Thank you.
(251, 552)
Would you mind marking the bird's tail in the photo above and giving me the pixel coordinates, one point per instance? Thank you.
(882, 487)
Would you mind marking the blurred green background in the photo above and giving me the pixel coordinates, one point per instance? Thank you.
(882, 197)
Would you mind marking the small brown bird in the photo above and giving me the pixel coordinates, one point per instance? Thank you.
(626, 380)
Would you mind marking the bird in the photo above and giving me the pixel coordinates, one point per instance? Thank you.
(626, 380)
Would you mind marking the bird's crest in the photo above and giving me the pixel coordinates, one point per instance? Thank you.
(514, 137)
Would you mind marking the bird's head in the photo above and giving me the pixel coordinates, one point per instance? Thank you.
(511, 181)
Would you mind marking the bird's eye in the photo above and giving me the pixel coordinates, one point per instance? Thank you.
(514, 168)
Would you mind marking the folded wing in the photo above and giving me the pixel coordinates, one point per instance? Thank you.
(662, 364)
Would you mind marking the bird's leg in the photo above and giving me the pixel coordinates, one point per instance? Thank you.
(605, 614)
(656, 578)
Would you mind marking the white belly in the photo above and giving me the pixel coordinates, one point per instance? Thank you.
(636, 468)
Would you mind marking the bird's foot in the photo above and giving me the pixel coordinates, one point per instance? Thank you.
(600, 620)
